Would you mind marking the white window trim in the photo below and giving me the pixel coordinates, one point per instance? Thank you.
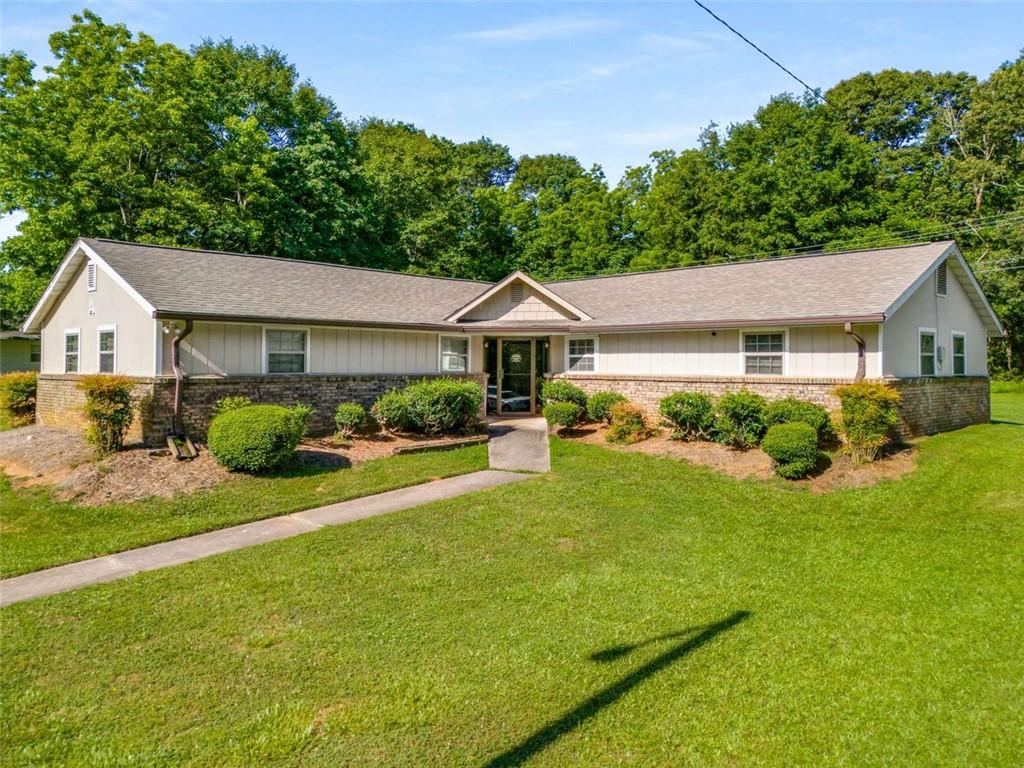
(469, 350)
(743, 352)
(265, 360)
(597, 353)
(64, 352)
(953, 334)
(935, 349)
(103, 329)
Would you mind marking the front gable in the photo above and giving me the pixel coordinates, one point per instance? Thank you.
(518, 298)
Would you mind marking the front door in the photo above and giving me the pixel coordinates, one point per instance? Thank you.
(515, 376)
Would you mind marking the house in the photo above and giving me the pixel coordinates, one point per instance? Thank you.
(19, 351)
(281, 330)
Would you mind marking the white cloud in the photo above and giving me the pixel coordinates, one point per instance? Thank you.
(674, 42)
(555, 28)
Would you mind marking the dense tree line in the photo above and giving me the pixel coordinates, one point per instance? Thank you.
(223, 146)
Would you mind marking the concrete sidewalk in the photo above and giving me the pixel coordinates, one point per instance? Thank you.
(168, 553)
(519, 444)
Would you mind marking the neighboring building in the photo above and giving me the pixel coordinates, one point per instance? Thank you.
(19, 351)
(286, 330)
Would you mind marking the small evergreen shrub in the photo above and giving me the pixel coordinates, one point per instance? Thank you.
(349, 418)
(109, 408)
(793, 447)
(18, 397)
(391, 411)
(255, 439)
(868, 416)
(789, 410)
(562, 415)
(438, 406)
(599, 405)
(301, 414)
(629, 424)
(230, 403)
(739, 419)
(561, 391)
(691, 414)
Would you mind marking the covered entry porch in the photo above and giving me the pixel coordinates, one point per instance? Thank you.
(515, 366)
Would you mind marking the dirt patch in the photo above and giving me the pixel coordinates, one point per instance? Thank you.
(843, 473)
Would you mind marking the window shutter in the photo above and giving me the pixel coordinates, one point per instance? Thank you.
(90, 276)
(940, 279)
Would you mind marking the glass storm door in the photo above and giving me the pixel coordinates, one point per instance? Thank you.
(516, 375)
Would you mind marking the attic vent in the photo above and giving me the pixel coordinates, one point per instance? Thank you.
(940, 280)
(517, 293)
(90, 276)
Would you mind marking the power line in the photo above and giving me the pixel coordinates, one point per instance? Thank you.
(752, 44)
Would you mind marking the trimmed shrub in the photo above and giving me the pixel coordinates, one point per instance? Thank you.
(691, 414)
(739, 419)
(793, 447)
(560, 391)
(109, 407)
(562, 415)
(868, 416)
(629, 424)
(391, 411)
(349, 418)
(443, 405)
(789, 410)
(599, 405)
(301, 414)
(257, 438)
(230, 403)
(18, 397)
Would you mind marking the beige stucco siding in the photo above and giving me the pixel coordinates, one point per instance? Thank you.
(87, 311)
(533, 307)
(924, 309)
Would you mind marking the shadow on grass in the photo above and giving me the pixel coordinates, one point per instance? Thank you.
(575, 717)
(1007, 421)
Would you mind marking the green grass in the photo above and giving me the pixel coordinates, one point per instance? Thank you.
(623, 610)
(38, 532)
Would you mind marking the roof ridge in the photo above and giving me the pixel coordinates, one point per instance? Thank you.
(745, 261)
(286, 259)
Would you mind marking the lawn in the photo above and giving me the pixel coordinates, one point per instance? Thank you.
(38, 531)
(623, 610)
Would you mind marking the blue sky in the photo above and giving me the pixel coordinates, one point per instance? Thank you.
(606, 82)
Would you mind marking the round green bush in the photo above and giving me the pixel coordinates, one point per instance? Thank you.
(438, 406)
(868, 417)
(794, 448)
(739, 419)
(230, 403)
(790, 409)
(629, 424)
(691, 414)
(562, 415)
(560, 391)
(257, 438)
(348, 418)
(599, 405)
(391, 411)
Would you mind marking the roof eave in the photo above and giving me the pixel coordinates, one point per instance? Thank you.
(217, 317)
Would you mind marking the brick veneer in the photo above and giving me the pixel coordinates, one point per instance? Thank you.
(59, 401)
(928, 405)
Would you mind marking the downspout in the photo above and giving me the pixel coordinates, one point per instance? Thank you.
(862, 352)
(179, 376)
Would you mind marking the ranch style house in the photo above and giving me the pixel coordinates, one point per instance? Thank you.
(194, 326)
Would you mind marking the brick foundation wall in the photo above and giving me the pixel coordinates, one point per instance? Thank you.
(929, 405)
(59, 403)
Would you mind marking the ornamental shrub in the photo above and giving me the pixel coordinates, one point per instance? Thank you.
(561, 391)
(629, 424)
(301, 414)
(789, 410)
(109, 408)
(18, 397)
(562, 415)
(230, 403)
(391, 411)
(437, 406)
(691, 414)
(599, 405)
(868, 417)
(349, 418)
(739, 419)
(257, 438)
(793, 447)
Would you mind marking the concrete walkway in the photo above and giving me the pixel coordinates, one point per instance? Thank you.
(519, 444)
(168, 553)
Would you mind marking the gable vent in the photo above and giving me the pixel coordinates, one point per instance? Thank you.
(940, 279)
(517, 291)
(90, 276)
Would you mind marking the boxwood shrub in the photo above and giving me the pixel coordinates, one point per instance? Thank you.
(257, 438)
(562, 415)
(18, 397)
(629, 424)
(109, 408)
(790, 409)
(561, 391)
(599, 405)
(739, 419)
(868, 417)
(691, 414)
(391, 411)
(793, 447)
(437, 406)
(349, 418)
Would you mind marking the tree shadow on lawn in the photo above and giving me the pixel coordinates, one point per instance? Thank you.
(575, 717)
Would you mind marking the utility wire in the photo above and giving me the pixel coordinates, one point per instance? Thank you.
(814, 91)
